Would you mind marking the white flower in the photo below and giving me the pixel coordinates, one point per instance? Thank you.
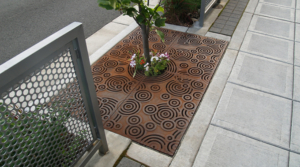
(151, 53)
(132, 63)
(147, 68)
(133, 56)
(154, 58)
(146, 65)
(162, 55)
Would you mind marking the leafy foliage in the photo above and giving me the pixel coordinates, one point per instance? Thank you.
(159, 63)
(35, 136)
(181, 11)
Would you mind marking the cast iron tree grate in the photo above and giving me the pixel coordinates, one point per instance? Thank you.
(155, 111)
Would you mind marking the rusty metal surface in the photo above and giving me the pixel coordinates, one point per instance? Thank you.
(155, 111)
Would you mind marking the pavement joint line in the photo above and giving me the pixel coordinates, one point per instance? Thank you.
(272, 4)
(120, 23)
(254, 54)
(273, 17)
(270, 35)
(265, 142)
(260, 90)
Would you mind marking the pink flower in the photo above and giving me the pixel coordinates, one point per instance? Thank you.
(133, 56)
(132, 63)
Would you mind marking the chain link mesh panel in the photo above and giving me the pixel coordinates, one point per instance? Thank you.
(43, 117)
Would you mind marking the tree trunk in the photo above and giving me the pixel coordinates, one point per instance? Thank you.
(145, 35)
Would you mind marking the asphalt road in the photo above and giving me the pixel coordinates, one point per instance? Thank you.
(24, 23)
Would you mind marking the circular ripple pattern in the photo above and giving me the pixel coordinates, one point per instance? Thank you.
(118, 126)
(194, 71)
(182, 55)
(98, 69)
(197, 95)
(106, 75)
(143, 95)
(194, 60)
(208, 41)
(205, 64)
(109, 124)
(136, 42)
(165, 96)
(183, 65)
(201, 57)
(197, 85)
(126, 41)
(187, 97)
(116, 83)
(134, 120)
(130, 107)
(155, 88)
(153, 39)
(150, 109)
(114, 53)
(205, 50)
(205, 76)
(177, 89)
(150, 126)
(170, 138)
(168, 125)
(110, 63)
(189, 105)
(181, 123)
(101, 87)
(174, 103)
(135, 131)
(119, 69)
(159, 46)
(97, 79)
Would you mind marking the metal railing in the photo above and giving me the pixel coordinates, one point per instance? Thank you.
(205, 6)
(49, 113)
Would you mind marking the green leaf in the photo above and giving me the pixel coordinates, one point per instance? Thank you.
(160, 9)
(159, 22)
(105, 4)
(130, 11)
(161, 35)
(113, 3)
(136, 1)
(140, 19)
(125, 2)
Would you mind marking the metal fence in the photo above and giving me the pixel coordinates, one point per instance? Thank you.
(49, 112)
(205, 6)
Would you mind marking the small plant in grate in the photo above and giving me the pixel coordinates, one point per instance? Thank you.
(158, 63)
(31, 144)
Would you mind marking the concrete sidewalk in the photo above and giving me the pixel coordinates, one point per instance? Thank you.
(250, 114)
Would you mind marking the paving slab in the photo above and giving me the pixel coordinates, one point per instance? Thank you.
(240, 32)
(225, 148)
(192, 140)
(270, 47)
(263, 74)
(296, 83)
(275, 11)
(294, 160)
(126, 162)
(297, 35)
(218, 36)
(117, 144)
(100, 38)
(148, 156)
(295, 133)
(175, 27)
(251, 6)
(124, 19)
(253, 113)
(273, 27)
(297, 16)
(297, 53)
(285, 3)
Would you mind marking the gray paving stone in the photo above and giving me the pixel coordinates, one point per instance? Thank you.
(230, 7)
(225, 148)
(240, 31)
(295, 134)
(254, 113)
(286, 3)
(213, 29)
(227, 32)
(225, 14)
(275, 12)
(267, 46)
(233, 15)
(218, 36)
(231, 23)
(217, 25)
(297, 85)
(297, 53)
(294, 160)
(263, 74)
(237, 12)
(230, 28)
(234, 19)
(223, 18)
(297, 35)
(298, 4)
(219, 21)
(228, 10)
(297, 16)
(274, 27)
(126, 162)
